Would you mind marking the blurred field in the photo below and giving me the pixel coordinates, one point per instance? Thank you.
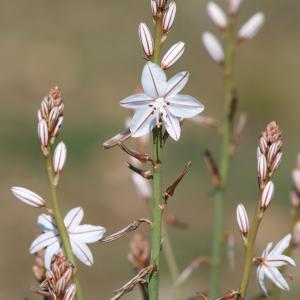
(90, 49)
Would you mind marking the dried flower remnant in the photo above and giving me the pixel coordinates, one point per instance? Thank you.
(79, 236)
(270, 261)
(28, 197)
(161, 103)
(213, 47)
(139, 253)
(57, 284)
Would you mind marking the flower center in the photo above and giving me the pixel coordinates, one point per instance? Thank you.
(160, 101)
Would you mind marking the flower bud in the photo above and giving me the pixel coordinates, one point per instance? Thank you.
(59, 157)
(43, 133)
(53, 116)
(217, 15)
(44, 108)
(154, 8)
(251, 27)
(169, 17)
(296, 179)
(146, 39)
(294, 199)
(173, 55)
(267, 195)
(276, 161)
(242, 219)
(28, 197)
(272, 151)
(58, 126)
(70, 292)
(213, 47)
(262, 167)
(296, 234)
(39, 115)
(160, 3)
(234, 7)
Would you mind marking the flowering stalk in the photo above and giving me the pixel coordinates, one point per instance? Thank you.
(224, 162)
(157, 192)
(59, 221)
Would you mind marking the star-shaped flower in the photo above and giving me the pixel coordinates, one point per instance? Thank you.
(271, 260)
(161, 102)
(79, 235)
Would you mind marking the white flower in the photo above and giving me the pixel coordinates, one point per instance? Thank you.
(271, 260)
(79, 236)
(161, 102)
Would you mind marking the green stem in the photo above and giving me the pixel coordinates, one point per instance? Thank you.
(249, 252)
(60, 223)
(171, 261)
(217, 242)
(157, 212)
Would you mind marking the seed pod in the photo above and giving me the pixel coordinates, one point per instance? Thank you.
(213, 47)
(217, 15)
(28, 197)
(169, 17)
(242, 219)
(59, 157)
(43, 133)
(251, 27)
(267, 195)
(172, 55)
(146, 39)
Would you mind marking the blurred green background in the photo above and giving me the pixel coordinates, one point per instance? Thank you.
(90, 49)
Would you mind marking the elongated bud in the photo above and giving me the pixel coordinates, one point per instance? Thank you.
(43, 133)
(234, 7)
(296, 179)
(59, 157)
(267, 195)
(160, 3)
(28, 197)
(154, 8)
(294, 196)
(242, 219)
(213, 47)
(58, 126)
(169, 17)
(70, 292)
(262, 167)
(276, 162)
(146, 39)
(39, 115)
(44, 108)
(251, 27)
(217, 15)
(53, 116)
(296, 235)
(273, 150)
(173, 55)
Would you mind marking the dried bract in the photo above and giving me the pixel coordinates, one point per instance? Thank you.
(139, 252)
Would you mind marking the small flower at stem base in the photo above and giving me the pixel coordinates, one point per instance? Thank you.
(169, 17)
(172, 55)
(59, 157)
(217, 15)
(242, 219)
(267, 195)
(28, 197)
(213, 47)
(146, 40)
(251, 27)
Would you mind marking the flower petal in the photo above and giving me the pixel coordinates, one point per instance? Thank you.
(43, 241)
(46, 223)
(136, 101)
(172, 125)
(276, 277)
(280, 260)
(154, 80)
(50, 251)
(82, 252)
(260, 277)
(87, 233)
(184, 106)
(143, 122)
(73, 218)
(281, 246)
(177, 83)
(265, 253)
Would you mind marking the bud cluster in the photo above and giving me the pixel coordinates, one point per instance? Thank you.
(57, 285)
(50, 118)
(164, 13)
(225, 21)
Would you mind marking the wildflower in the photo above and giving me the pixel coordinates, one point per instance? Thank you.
(271, 260)
(160, 102)
(79, 236)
